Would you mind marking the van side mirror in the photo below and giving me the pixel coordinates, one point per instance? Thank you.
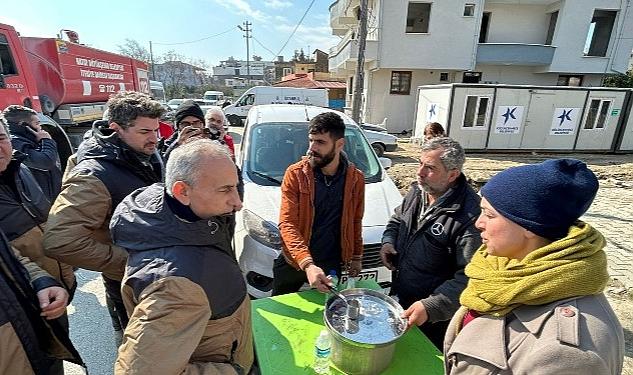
(3, 84)
(385, 162)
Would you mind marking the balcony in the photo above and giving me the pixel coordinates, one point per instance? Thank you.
(343, 57)
(341, 17)
(515, 54)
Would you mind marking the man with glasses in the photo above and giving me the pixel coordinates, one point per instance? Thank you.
(40, 151)
(189, 121)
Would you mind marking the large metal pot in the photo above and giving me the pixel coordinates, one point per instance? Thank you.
(364, 346)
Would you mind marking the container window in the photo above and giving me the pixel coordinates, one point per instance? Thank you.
(444, 77)
(418, 15)
(597, 114)
(476, 111)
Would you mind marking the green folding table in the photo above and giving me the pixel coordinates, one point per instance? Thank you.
(286, 327)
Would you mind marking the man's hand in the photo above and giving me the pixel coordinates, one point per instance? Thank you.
(39, 134)
(317, 278)
(387, 253)
(187, 133)
(53, 301)
(416, 314)
(355, 267)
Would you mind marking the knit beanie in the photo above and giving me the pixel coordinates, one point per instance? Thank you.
(545, 198)
(188, 108)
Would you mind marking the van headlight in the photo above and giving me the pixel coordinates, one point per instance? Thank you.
(262, 231)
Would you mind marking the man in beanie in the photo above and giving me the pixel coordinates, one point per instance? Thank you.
(431, 237)
(534, 303)
(189, 122)
(114, 161)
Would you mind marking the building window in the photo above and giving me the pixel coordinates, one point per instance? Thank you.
(597, 114)
(287, 71)
(469, 10)
(400, 83)
(476, 112)
(553, 18)
(599, 33)
(444, 77)
(569, 80)
(418, 15)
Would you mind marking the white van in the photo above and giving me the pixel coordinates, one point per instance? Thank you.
(157, 90)
(276, 136)
(258, 95)
(217, 97)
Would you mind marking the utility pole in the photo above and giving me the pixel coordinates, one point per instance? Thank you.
(360, 63)
(151, 60)
(247, 34)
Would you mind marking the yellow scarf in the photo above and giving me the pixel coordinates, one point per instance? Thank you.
(570, 267)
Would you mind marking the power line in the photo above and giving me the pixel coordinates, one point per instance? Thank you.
(296, 27)
(198, 40)
(263, 46)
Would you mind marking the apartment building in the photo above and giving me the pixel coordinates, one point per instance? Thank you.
(534, 42)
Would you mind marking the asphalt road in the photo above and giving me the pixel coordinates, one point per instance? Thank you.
(90, 326)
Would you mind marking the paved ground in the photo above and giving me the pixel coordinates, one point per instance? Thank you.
(612, 214)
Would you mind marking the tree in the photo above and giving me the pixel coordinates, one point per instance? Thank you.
(134, 49)
(619, 80)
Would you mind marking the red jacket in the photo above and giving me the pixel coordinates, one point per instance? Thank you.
(297, 214)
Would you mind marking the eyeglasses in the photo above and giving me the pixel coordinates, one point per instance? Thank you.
(184, 124)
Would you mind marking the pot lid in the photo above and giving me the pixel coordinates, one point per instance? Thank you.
(379, 321)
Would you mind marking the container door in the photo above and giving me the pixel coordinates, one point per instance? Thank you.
(552, 119)
(432, 107)
(600, 121)
(470, 120)
(508, 120)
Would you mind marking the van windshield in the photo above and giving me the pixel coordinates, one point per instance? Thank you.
(213, 97)
(274, 146)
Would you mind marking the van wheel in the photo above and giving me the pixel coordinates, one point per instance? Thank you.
(379, 148)
(235, 120)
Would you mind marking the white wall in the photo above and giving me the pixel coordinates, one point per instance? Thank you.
(517, 23)
(398, 109)
(573, 24)
(449, 43)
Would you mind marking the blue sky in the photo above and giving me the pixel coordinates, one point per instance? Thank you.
(107, 24)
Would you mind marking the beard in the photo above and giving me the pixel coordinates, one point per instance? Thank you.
(433, 190)
(320, 161)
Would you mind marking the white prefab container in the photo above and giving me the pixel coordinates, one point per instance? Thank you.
(516, 117)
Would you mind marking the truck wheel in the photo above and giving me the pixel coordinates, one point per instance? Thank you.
(235, 120)
(379, 148)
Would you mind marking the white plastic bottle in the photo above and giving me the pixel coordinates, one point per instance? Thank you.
(351, 282)
(322, 348)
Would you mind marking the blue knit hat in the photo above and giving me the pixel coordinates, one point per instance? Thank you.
(545, 198)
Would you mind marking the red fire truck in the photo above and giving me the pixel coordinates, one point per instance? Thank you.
(66, 82)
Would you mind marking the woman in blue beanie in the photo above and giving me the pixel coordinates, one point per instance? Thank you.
(534, 303)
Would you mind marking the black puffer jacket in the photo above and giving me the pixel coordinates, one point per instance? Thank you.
(28, 341)
(41, 158)
(22, 203)
(121, 169)
(432, 254)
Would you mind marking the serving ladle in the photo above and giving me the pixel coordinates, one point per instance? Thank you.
(353, 306)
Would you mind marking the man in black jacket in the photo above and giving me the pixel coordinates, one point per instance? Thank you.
(28, 137)
(112, 163)
(431, 237)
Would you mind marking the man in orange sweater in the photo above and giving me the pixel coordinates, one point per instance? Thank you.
(322, 205)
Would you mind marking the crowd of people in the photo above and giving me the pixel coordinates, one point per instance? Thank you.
(507, 281)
